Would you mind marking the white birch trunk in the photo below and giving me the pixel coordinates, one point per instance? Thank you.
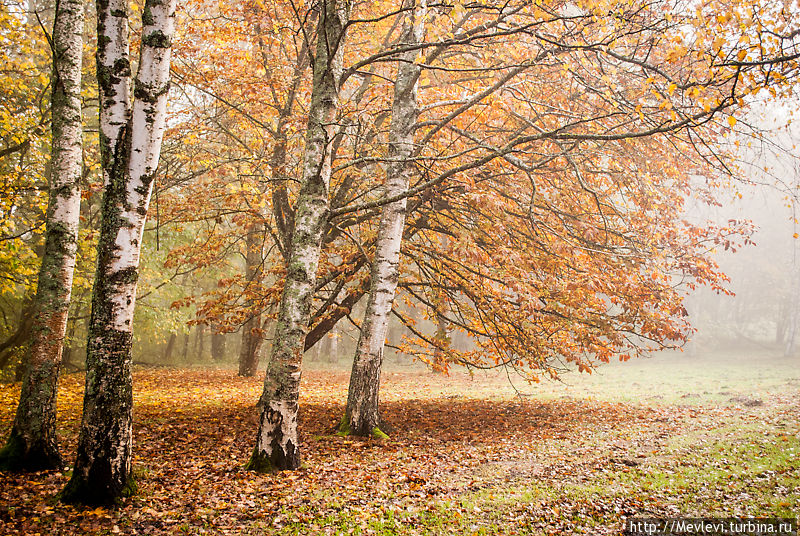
(276, 443)
(32, 444)
(130, 146)
(362, 414)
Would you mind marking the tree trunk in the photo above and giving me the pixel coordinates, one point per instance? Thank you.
(441, 338)
(252, 337)
(362, 413)
(790, 335)
(32, 444)
(332, 347)
(217, 346)
(249, 351)
(9, 347)
(185, 352)
(276, 444)
(781, 322)
(199, 343)
(130, 144)
(168, 349)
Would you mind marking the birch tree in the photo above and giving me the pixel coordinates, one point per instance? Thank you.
(130, 139)
(32, 444)
(362, 417)
(282, 211)
(276, 443)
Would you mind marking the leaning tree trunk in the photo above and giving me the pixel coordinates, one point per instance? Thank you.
(361, 415)
(276, 443)
(168, 349)
(130, 148)
(249, 351)
(32, 444)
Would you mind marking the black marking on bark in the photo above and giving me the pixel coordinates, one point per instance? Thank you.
(147, 93)
(157, 39)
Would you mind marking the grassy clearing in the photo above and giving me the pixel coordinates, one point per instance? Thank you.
(466, 454)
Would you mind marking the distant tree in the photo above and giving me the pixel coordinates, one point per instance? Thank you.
(250, 348)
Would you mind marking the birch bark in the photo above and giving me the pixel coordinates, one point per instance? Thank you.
(362, 414)
(281, 210)
(276, 443)
(32, 444)
(130, 144)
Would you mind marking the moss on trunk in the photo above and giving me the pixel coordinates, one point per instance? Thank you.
(259, 462)
(32, 444)
(85, 493)
(21, 455)
(344, 429)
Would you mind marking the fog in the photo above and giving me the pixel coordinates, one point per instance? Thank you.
(762, 312)
(756, 322)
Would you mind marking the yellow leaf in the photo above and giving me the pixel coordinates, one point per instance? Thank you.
(672, 87)
(731, 120)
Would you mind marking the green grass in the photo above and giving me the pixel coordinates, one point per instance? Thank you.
(744, 471)
(694, 449)
(735, 467)
(664, 378)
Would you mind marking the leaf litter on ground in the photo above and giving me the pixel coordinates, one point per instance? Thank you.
(454, 464)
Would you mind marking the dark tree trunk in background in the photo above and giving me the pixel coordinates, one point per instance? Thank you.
(790, 335)
(329, 347)
(217, 346)
(199, 344)
(442, 339)
(249, 351)
(169, 348)
(186, 340)
(10, 347)
(32, 444)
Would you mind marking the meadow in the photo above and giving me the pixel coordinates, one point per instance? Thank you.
(481, 453)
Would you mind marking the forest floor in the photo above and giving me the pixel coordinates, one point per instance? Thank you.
(661, 437)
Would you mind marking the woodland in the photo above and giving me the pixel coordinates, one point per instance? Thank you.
(323, 266)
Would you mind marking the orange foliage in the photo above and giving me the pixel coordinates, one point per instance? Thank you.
(558, 144)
